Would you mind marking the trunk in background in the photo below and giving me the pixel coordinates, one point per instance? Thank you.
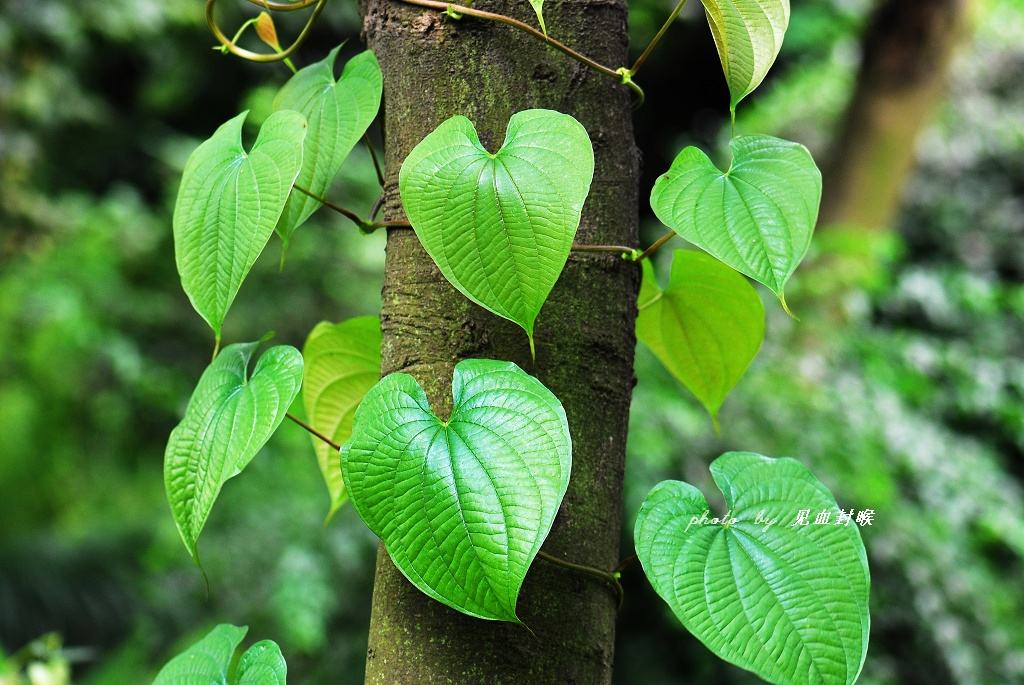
(435, 67)
(907, 49)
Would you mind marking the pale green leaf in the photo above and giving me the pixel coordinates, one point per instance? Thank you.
(342, 362)
(758, 217)
(228, 420)
(262, 664)
(500, 226)
(338, 113)
(538, 7)
(705, 327)
(462, 505)
(228, 204)
(787, 602)
(206, 662)
(748, 34)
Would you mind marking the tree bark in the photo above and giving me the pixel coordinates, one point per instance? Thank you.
(907, 49)
(436, 67)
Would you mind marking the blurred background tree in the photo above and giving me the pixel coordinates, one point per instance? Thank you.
(902, 386)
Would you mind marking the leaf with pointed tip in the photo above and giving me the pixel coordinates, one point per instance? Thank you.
(207, 662)
(462, 505)
(228, 204)
(787, 602)
(342, 362)
(538, 7)
(228, 420)
(758, 217)
(500, 226)
(338, 113)
(748, 35)
(705, 327)
(262, 664)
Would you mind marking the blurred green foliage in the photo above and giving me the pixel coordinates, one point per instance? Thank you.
(902, 387)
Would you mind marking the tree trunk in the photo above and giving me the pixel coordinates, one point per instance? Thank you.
(435, 67)
(907, 49)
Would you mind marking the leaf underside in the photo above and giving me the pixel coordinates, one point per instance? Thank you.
(342, 362)
(758, 217)
(338, 113)
(462, 505)
(789, 603)
(228, 420)
(748, 35)
(228, 204)
(500, 227)
(705, 327)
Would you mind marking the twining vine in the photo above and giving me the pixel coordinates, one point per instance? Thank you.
(507, 434)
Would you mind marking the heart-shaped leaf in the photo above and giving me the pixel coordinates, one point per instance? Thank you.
(228, 420)
(228, 204)
(748, 34)
(342, 362)
(500, 226)
(705, 327)
(462, 505)
(788, 602)
(758, 217)
(208, 661)
(338, 113)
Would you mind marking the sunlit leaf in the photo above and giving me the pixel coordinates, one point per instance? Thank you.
(342, 362)
(748, 34)
(462, 505)
(705, 327)
(228, 204)
(500, 226)
(262, 664)
(229, 418)
(787, 602)
(208, 661)
(758, 216)
(338, 112)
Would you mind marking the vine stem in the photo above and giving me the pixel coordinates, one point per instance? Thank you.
(610, 578)
(283, 6)
(655, 246)
(228, 44)
(347, 213)
(376, 162)
(657, 38)
(312, 431)
(613, 249)
(449, 8)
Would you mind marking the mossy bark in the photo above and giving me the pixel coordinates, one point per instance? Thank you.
(435, 67)
(907, 49)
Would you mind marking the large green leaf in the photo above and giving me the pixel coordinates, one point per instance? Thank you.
(705, 327)
(788, 602)
(228, 420)
(228, 204)
(338, 113)
(500, 226)
(462, 505)
(342, 362)
(208, 662)
(748, 34)
(758, 217)
(262, 664)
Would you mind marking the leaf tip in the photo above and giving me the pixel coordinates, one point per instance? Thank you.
(785, 307)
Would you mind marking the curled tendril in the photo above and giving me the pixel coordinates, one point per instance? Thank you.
(230, 46)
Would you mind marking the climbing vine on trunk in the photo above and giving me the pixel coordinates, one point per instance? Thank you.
(464, 499)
